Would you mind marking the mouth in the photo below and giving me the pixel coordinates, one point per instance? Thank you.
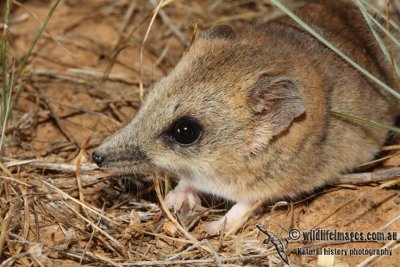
(125, 167)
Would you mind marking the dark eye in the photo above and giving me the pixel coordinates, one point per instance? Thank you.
(185, 131)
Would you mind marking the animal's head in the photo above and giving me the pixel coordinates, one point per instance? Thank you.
(225, 100)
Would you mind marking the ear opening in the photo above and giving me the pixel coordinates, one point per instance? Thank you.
(277, 101)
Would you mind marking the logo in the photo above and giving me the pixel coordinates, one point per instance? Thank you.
(276, 242)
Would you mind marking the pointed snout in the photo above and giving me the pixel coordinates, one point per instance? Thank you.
(107, 156)
(121, 150)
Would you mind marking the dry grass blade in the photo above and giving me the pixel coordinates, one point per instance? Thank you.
(5, 224)
(386, 48)
(7, 113)
(392, 221)
(333, 48)
(167, 21)
(48, 33)
(171, 217)
(94, 226)
(14, 180)
(78, 202)
(366, 122)
(155, 12)
(374, 9)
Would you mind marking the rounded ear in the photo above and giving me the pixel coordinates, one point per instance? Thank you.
(277, 101)
(223, 31)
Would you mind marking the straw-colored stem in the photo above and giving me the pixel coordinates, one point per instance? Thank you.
(366, 121)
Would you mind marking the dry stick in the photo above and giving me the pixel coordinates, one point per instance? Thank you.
(162, 55)
(55, 149)
(165, 237)
(125, 23)
(53, 60)
(67, 167)
(79, 111)
(85, 75)
(91, 238)
(83, 110)
(94, 226)
(103, 258)
(95, 51)
(95, 12)
(59, 124)
(193, 246)
(18, 162)
(9, 262)
(368, 177)
(109, 246)
(78, 202)
(123, 202)
(116, 49)
(4, 226)
(78, 175)
(4, 168)
(15, 180)
(37, 236)
(64, 77)
(25, 229)
(121, 46)
(119, 115)
(119, 77)
(97, 257)
(197, 261)
(171, 217)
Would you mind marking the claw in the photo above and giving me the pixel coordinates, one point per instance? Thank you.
(181, 193)
(235, 214)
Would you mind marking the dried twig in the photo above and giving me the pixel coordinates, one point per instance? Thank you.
(368, 177)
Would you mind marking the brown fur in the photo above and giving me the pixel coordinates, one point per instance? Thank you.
(263, 96)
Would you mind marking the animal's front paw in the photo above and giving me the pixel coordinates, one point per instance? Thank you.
(181, 193)
(235, 218)
(215, 227)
